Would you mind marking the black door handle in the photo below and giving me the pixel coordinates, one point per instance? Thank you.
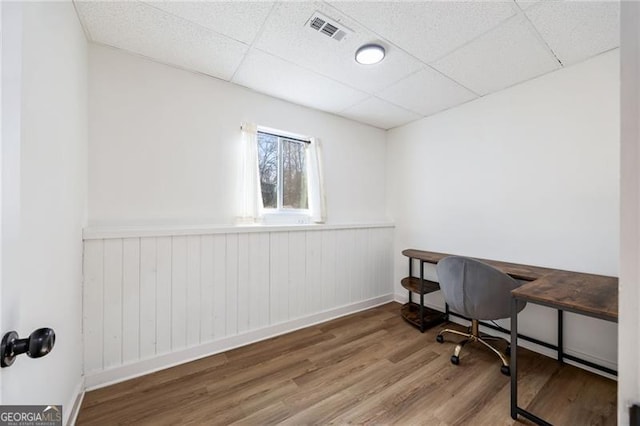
(38, 344)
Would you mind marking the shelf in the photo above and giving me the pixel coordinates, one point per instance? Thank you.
(411, 313)
(413, 285)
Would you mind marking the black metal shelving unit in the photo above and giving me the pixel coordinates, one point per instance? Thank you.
(414, 313)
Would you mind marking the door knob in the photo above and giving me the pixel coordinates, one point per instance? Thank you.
(38, 344)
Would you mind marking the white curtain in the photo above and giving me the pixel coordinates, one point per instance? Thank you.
(315, 184)
(249, 192)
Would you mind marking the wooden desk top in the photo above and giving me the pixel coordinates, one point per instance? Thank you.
(515, 270)
(589, 294)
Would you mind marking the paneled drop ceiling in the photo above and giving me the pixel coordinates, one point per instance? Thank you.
(439, 53)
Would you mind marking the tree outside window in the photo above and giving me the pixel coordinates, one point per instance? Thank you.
(283, 172)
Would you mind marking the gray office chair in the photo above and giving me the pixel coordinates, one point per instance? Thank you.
(479, 292)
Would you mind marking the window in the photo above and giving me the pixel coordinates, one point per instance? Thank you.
(279, 178)
(283, 172)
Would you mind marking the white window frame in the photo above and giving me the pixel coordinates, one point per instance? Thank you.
(279, 214)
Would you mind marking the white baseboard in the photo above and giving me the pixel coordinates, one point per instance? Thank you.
(402, 298)
(74, 403)
(125, 372)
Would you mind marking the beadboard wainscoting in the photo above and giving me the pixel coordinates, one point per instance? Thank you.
(155, 301)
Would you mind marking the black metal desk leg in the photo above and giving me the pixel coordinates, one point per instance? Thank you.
(514, 358)
(422, 324)
(560, 336)
(411, 275)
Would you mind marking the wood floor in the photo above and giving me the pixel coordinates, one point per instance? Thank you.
(369, 367)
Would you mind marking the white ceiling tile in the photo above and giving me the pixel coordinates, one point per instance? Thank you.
(286, 36)
(507, 55)
(427, 92)
(577, 30)
(379, 113)
(238, 20)
(428, 29)
(525, 4)
(271, 75)
(142, 29)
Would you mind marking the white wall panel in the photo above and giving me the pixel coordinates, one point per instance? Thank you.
(278, 277)
(343, 271)
(149, 296)
(258, 283)
(297, 268)
(243, 283)
(178, 300)
(360, 248)
(206, 288)
(163, 295)
(148, 271)
(312, 286)
(93, 305)
(387, 263)
(219, 286)
(193, 290)
(368, 265)
(328, 269)
(349, 261)
(231, 285)
(112, 338)
(130, 299)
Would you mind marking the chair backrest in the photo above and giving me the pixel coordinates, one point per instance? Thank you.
(475, 289)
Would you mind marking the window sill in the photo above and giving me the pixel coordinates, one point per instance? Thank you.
(286, 218)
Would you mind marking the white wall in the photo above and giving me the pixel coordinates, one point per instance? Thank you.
(528, 175)
(163, 140)
(42, 242)
(629, 332)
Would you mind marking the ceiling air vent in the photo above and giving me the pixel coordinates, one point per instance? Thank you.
(327, 26)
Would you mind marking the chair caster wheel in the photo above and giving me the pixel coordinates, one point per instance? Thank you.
(455, 360)
(439, 338)
(505, 370)
(508, 350)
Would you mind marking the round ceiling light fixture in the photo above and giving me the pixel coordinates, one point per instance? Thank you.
(370, 54)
